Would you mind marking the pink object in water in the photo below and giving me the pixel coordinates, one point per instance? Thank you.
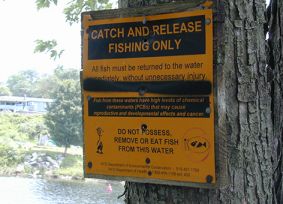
(109, 188)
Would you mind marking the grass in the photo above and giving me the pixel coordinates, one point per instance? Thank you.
(71, 166)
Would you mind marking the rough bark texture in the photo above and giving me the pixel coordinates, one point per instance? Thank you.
(245, 109)
(275, 67)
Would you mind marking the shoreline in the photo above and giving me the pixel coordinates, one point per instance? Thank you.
(43, 162)
(42, 176)
(64, 178)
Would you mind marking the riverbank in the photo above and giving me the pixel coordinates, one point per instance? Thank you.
(22, 154)
(41, 162)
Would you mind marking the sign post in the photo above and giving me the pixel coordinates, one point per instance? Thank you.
(148, 98)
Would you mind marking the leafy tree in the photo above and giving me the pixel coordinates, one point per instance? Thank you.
(64, 119)
(45, 86)
(29, 83)
(22, 84)
(4, 91)
(61, 74)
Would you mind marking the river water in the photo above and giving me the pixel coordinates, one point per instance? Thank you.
(16, 190)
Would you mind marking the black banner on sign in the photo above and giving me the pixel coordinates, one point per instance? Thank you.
(192, 107)
(168, 37)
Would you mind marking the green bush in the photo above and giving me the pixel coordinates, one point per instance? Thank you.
(20, 127)
(10, 156)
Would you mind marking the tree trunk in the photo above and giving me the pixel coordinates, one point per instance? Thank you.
(275, 67)
(65, 150)
(247, 102)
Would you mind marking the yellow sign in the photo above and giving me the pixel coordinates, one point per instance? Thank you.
(148, 97)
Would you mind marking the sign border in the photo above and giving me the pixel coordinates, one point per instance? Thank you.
(219, 136)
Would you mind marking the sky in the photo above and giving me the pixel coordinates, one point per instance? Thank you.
(21, 24)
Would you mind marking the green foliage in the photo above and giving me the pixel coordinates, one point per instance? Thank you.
(73, 10)
(15, 128)
(71, 165)
(45, 3)
(64, 115)
(76, 7)
(104, 4)
(45, 86)
(4, 91)
(71, 160)
(33, 129)
(48, 46)
(66, 74)
(18, 134)
(28, 83)
(22, 84)
(9, 156)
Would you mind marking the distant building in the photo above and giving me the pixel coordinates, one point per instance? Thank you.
(24, 104)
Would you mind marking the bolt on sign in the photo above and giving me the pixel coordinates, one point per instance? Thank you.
(148, 98)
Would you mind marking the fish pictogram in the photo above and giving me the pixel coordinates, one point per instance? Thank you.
(198, 144)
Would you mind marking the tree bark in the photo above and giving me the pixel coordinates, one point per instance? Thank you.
(275, 68)
(248, 105)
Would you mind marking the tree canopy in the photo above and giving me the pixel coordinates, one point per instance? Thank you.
(4, 90)
(22, 83)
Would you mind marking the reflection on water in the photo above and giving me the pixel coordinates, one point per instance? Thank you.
(14, 190)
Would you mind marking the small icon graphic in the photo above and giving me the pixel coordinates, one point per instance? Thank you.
(196, 145)
(99, 143)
